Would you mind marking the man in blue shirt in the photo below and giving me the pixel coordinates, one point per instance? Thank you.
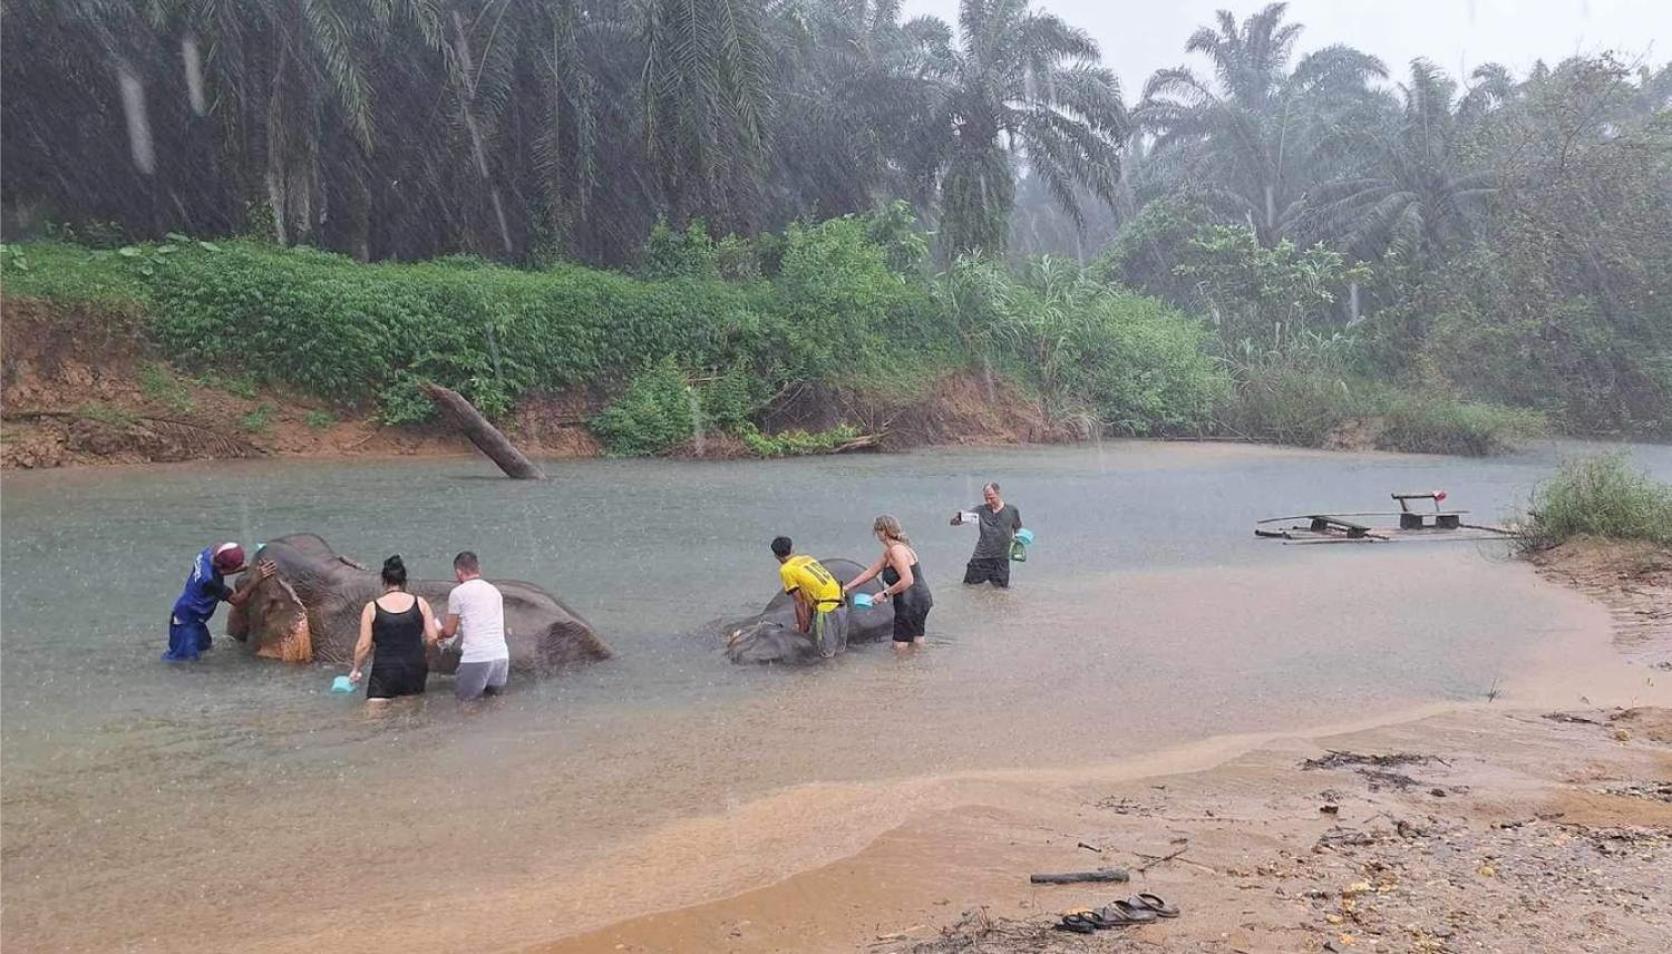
(188, 624)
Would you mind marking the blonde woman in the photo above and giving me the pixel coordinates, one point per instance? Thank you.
(902, 579)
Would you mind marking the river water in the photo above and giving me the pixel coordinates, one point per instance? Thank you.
(235, 804)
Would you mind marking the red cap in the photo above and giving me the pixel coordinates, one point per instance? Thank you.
(228, 556)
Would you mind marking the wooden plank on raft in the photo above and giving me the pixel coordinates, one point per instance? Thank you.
(1366, 513)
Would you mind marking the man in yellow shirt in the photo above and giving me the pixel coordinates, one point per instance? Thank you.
(821, 610)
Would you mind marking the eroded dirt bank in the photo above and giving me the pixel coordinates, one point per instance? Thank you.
(81, 389)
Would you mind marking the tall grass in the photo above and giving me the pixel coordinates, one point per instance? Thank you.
(1436, 424)
(1308, 408)
(1602, 496)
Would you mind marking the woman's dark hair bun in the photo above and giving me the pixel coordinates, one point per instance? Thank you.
(394, 571)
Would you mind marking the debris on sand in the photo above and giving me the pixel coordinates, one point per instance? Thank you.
(977, 931)
(1339, 837)
(1568, 717)
(1341, 759)
(1656, 791)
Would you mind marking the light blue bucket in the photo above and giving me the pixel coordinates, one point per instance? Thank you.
(341, 684)
(863, 600)
(1026, 536)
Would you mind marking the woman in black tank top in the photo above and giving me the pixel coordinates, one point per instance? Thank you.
(395, 628)
(903, 582)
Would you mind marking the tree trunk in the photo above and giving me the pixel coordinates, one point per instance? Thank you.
(484, 435)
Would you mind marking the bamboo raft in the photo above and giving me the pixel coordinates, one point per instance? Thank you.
(1413, 525)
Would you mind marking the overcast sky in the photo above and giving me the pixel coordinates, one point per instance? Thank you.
(1138, 38)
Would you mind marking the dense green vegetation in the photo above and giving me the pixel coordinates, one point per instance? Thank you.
(1601, 497)
(820, 304)
(693, 207)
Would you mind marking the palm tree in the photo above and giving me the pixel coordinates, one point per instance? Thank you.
(1419, 199)
(704, 98)
(1029, 82)
(292, 82)
(851, 103)
(1258, 133)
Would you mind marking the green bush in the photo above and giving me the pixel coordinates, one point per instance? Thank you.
(158, 382)
(1601, 496)
(258, 420)
(842, 305)
(654, 415)
(1143, 369)
(357, 333)
(1288, 405)
(1133, 362)
(319, 420)
(70, 274)
(796, 443)
(664, 407)
(1430, 424)
(1307, 406)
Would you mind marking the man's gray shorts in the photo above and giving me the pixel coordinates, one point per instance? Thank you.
(476, 679)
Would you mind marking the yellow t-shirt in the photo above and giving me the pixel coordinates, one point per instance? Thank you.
(807, 575)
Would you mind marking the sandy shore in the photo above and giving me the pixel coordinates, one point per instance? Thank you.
(1487, 827)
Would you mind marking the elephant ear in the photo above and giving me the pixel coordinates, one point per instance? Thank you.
(277, 622)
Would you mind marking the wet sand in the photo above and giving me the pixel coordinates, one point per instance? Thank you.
(1526, 847)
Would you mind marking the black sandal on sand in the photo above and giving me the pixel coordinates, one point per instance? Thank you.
(1154, 902)
(1079, 923)
(1123, 913)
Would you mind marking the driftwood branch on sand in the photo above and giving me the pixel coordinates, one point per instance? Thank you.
(483, 434)
(1081, 877)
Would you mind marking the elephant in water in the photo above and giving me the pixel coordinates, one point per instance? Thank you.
(310, 610)
(771, 636)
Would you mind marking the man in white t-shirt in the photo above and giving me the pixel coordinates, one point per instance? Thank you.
(476, 611)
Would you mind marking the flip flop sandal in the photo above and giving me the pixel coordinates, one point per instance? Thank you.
(1154, 902)
(1123, 913)
(1077, 923)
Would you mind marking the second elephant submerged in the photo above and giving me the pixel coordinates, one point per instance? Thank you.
(772, 636)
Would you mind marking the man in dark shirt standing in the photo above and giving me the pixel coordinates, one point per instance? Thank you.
(999, 522)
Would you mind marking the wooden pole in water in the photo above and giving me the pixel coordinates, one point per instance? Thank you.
(483, 434)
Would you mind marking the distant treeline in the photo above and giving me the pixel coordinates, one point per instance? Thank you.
(1492, 237)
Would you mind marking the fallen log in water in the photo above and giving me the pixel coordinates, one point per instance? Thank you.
(483, 434)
